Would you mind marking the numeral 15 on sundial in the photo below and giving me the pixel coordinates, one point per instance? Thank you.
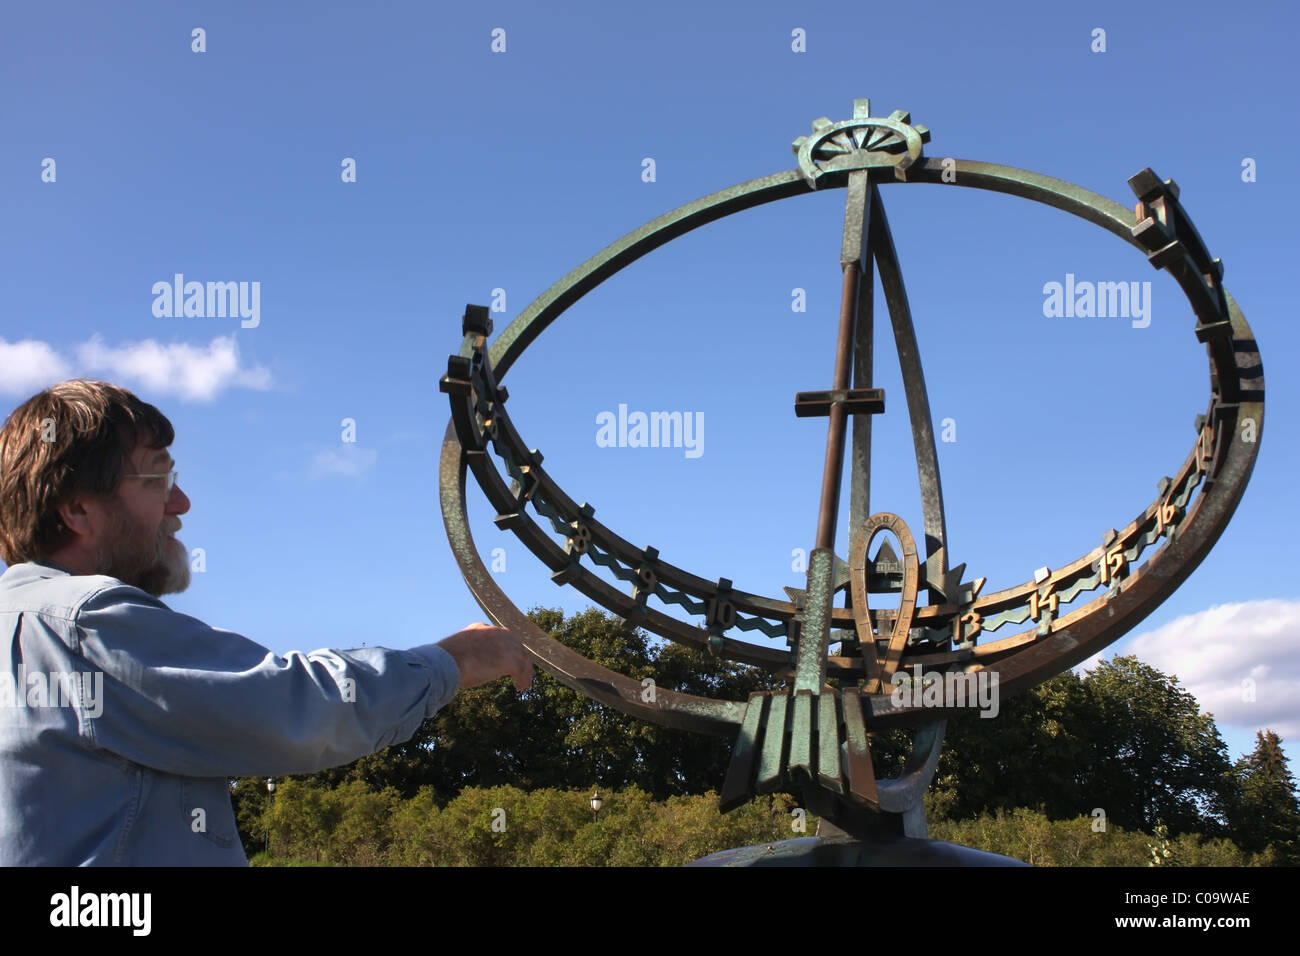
(1113, 563)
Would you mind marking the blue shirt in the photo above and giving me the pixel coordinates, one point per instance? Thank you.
(121, 720)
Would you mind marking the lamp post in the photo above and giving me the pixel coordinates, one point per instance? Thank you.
(596, 803)
(270, 789)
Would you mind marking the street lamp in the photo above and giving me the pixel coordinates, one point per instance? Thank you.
(596, 803)
(270, 789)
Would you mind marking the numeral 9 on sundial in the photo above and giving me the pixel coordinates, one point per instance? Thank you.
(580, 539)
(646, 580)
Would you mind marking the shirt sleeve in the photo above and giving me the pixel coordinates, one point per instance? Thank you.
(199, 701)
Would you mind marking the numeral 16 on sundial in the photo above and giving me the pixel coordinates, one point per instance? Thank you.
(1166, 514)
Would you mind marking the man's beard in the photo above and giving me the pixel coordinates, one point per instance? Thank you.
(157, 565)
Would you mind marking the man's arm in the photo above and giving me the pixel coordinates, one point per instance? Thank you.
(189, 699)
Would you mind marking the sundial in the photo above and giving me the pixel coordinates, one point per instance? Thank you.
(845, 662)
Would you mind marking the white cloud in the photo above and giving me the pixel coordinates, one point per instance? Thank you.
(1212, 652)
(347, 459)
(191, 373)
(28, 366)
(188, 372)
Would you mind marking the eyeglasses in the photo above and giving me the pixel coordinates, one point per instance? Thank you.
(171, 476)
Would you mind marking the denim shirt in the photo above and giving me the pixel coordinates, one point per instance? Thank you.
(121, 720)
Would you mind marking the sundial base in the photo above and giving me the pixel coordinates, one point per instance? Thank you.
(879, 851)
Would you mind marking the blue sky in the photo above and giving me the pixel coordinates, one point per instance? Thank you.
(479, 170)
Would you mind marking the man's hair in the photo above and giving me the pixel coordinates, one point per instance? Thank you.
(74, 438)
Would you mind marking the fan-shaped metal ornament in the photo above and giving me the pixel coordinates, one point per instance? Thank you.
(811, 738)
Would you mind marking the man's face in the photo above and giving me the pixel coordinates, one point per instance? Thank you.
(138, 546)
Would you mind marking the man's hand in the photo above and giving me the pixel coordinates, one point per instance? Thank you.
(483, 653)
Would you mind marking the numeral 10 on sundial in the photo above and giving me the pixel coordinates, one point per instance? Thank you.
(721, 613)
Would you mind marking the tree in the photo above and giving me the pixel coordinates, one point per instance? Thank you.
(1268, 813)
(1157, 757)
(1033, 754)
(553, 737)
(1126, 738)
(250, 800)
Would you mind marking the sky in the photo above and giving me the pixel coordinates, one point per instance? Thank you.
(367, 169)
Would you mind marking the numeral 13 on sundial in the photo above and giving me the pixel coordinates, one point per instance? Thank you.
(966, 626)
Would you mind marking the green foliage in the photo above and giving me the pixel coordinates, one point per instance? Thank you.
(506, 826)
(553, 737)
(1268, 814)
(1035, 753)
(1155, 756)
(349, 824)
(1035, 839)
(1126, 739)
(1162, 851)
(250, 799)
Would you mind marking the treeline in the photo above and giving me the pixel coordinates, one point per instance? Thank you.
(1124, 749)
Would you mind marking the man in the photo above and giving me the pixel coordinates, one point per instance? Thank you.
(122, 720)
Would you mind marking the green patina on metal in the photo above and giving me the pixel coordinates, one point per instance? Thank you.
(813, 739)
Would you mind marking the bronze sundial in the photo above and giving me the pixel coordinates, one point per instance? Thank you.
(958, 637)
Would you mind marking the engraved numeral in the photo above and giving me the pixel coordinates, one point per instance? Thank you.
(1204, 448)
(645, 578)
(969, 623)
(1036, 600)
(1165, 514)
(722, 613)
(580, 540)
(1111, 564)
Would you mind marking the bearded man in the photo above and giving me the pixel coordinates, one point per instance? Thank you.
(121, 720)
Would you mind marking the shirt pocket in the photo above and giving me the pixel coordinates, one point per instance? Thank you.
(206, 810)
